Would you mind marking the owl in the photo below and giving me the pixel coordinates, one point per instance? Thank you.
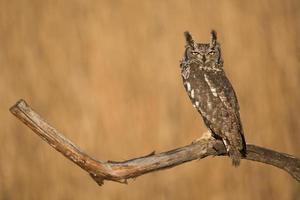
(212, 94)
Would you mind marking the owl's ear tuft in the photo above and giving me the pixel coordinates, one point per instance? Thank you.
(213, 38)
(189, 39)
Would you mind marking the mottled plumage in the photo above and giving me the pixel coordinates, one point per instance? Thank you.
(212, 94)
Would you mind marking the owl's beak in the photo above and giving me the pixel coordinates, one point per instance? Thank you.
(203, 59)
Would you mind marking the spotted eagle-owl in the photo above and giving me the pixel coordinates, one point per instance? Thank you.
(212, 94)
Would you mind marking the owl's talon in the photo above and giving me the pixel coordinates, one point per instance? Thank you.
(206, 136)
(196, 140)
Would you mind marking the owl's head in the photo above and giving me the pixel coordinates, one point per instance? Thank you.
(207, 54)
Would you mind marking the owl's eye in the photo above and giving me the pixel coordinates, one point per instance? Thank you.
(211, 53)
(195, 53)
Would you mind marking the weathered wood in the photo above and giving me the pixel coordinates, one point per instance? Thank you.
(121, 171)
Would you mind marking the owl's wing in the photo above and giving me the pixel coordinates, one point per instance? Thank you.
(221, 87)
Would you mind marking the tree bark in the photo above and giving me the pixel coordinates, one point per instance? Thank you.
(101, 170)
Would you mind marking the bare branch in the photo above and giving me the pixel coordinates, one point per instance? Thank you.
(121, 171)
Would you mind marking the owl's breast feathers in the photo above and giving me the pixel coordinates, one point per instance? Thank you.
(213, 96)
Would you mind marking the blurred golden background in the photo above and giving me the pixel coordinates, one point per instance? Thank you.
(106, 74)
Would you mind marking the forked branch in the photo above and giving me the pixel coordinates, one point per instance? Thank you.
(101, 170)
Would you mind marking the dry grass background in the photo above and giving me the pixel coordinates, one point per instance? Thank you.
(106, 73)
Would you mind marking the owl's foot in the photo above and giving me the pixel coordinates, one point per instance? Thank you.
(206, 136)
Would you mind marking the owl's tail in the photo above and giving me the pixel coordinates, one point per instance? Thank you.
(236, 148)
(235, 156)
